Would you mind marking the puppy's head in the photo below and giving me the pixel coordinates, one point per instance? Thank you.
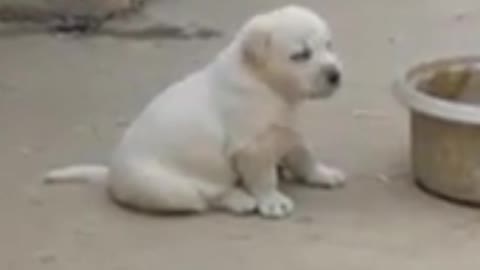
(290, 49)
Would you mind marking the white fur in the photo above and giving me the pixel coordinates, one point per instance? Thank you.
(80, 173)
(214, 139)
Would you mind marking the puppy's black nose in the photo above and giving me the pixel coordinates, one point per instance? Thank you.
(333, 77)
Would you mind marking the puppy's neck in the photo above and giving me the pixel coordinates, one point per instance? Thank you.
(247, 99)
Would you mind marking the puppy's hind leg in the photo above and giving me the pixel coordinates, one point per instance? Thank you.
(237, 201)
(152, 188)
(301, 163)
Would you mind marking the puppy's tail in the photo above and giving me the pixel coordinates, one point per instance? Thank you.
(77, 174)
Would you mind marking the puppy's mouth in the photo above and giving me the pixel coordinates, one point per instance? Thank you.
(323, 92)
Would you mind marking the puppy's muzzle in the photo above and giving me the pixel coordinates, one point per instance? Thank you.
(328, 81)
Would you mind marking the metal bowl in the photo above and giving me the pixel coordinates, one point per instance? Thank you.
(444, 101)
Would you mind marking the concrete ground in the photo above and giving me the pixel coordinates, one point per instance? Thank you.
(65, 100)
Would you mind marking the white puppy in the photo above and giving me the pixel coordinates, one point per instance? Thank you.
(215, 139)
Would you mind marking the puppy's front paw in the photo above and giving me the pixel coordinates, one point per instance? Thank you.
(326, 177)
(275, 205)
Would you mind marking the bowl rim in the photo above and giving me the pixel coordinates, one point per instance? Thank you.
(406, 92)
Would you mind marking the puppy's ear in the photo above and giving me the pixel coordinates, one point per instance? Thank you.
(257, 40)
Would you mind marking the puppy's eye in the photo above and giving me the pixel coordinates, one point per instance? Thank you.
(302, 56)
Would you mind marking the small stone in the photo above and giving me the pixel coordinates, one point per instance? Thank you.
(34, 198)
(315, 237)
(82, 232)
(26, 151)
(46, 257)
(392, 39)
(305, 220)
(122, 122)
(35, 201)
(383, 178)
(460, 15)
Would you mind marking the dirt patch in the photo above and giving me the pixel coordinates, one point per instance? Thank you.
(123, 21)
(68, 15)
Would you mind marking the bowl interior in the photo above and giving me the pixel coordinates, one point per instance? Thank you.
(455, 79)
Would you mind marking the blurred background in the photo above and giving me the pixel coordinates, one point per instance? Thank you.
(74, 73)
